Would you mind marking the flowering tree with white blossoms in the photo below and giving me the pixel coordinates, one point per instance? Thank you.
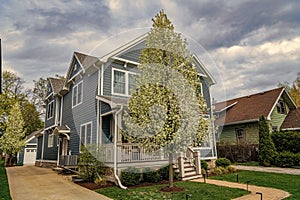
(166, 110)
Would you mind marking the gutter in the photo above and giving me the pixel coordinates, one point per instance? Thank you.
(115, 149)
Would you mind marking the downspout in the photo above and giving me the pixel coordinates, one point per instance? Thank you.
(115, 149)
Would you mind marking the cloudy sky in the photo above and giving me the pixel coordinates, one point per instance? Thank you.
(248, 45)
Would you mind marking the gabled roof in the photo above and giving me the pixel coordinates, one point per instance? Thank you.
(292, 120)
(250, 108)
(56, 84)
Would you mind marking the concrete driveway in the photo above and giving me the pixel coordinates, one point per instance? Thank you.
(36, 183)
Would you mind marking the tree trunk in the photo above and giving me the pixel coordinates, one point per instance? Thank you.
(171, 170)
(6, 162)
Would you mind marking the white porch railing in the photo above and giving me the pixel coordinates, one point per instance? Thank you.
(131, 153)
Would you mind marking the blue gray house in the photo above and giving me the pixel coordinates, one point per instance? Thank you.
(85, 108)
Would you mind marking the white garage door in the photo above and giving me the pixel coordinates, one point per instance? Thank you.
(29, 156)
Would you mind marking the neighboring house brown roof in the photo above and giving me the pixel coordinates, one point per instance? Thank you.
(248, 108)
(57, 84)
(292, 121)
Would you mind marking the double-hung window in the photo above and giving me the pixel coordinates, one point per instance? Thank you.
(123, 82)
(86, 133)
(281, 107)
(77, 94)
(50, 110)
(240, 135)
(50, 140)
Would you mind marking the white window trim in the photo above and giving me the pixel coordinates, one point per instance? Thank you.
(48, 106)
(85, 141)
(126, 82)
(76, 86)
(50, 144)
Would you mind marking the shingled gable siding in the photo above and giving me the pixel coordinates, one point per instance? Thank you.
(228, 135)
(82, 113)
(278, 118)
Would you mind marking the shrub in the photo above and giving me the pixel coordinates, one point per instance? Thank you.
(231, 169)
(89, 166)
(204, 165)
(164, 173)
(219, 171)
(287, 159)
(131, 176)
(151, 176)
(267, 152)
(223, 162)
(287, 141)
(238, 153)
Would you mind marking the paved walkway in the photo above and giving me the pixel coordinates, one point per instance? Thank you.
(267, 193)
(36, 183)
(269, 169)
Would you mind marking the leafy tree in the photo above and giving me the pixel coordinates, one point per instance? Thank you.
(165, 110)
(13, 86)
(32, 121)
(38, 95)
(12, 140)
(267, 152)
(295, 90)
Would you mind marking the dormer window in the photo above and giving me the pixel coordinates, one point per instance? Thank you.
(281, 107)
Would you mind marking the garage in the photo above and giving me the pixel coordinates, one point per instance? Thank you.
(29, 155)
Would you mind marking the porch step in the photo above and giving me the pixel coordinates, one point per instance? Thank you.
(191, 177)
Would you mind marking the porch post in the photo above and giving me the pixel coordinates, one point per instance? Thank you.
(181, 165)
(197, 162)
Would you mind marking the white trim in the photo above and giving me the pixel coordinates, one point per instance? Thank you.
(50, 127)
(291, 129)
(241, 122)
(126, 74)
(223, 109)
(76, 86)
(61, 109)
(48, 105)
(50, 161)
(85, 132)
(124, 47)
(213, 81)
(274, 105)
(102, 75)
(125, 61)
(47, 97)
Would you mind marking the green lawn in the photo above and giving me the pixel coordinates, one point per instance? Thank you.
(197, 190)
(4, 188)
(289, 183)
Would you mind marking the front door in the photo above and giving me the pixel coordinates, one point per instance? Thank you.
(64, 148)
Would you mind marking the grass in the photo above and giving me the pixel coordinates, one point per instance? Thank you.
(289, 183)
(4, 187)
(197, 190)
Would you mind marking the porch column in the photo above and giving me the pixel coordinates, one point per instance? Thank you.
(181, 165)
(197, 162)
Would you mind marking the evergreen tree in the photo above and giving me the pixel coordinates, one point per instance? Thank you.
(12, 140)
(266, 151)
(165, 111)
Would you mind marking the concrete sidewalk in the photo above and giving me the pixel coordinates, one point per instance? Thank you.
(269, 169)
(36, 183)
(267, 193)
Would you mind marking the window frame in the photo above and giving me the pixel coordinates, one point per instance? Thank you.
(240, 138)
(85, 126)
(50, 110)
(50, 140)
(75, 89)
(126, 74)
(281, 107)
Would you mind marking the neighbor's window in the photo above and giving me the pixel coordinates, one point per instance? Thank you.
(281, 107)
(86, 133)
(240, 135)
(50, 109)
(77, 94)
(123, 82)
(50, 140)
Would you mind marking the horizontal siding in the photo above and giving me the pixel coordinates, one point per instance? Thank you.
(39, 147)
(51, 121)
(133, 53)
(50, 153)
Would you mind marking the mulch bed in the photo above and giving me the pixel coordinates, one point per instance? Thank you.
(94, 186)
